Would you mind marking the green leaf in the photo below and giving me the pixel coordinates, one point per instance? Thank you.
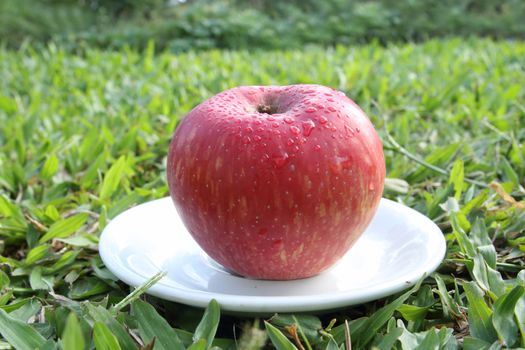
(519, 311)
(430, 339)
(332, 345)
(87, 287)
(5, 297)
(375, 322)
(4, 280)
(7, 104)
(26, 311)
(207, 327)
(503, 318)
(37, 253)
(471, 343)
(9, 209)
(456, 177)
(152, 325)
(83, 240)
(388, 340)
(199, 345)
(66, 259)
(113, 178)
(50, 167)
(449, 305)
(52, 213)
(49, 345)
(479, 233)
(101, 315)
(65, 228)
(37, 281)
(103, 338)
(479, 314)
(509, 172)
(488, 252)
(18, 333)
(15, 305)
(278, 339)
(463, 240)
(72, 337)
(438, 157)
(412, 312)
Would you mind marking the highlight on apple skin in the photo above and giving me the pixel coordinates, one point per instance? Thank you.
(276, 182)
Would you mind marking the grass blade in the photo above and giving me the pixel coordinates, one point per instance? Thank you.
(332, 345)
(479, 314)
(100, 315)
(65, 228)
(199, 345)
(375, 322)
(103, 338)
(152, 325)
(112, 178)
(278, 339)
(19, 334)
(137, 292)
(208, 325)
(72, 337)
(503, 318)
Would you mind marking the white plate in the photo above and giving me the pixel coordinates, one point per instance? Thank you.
(396, 250)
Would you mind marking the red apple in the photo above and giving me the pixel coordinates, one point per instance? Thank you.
(276, 182)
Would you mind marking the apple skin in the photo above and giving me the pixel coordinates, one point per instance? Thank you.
(276, 182)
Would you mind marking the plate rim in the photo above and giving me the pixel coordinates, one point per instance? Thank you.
(260, 304)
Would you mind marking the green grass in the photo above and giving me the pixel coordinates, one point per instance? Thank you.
(82, 138)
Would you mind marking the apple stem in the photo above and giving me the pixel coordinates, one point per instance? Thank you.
(266, 108)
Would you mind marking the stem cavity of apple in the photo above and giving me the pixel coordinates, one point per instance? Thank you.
(267, 108)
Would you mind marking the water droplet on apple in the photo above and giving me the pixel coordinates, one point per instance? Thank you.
(323, 120)
(295, 130)
(357, 130)
(288, 120)
(349, 130)
(290, 142)
(310, 110)
(371, 186)
(248, 129)
(280, 160)
(246, 140)
(270, 118)
(276, 132)
(275, 125)
(263, 232)
(257, 138)
(332, 109)
(317, 147)
(308, 126)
